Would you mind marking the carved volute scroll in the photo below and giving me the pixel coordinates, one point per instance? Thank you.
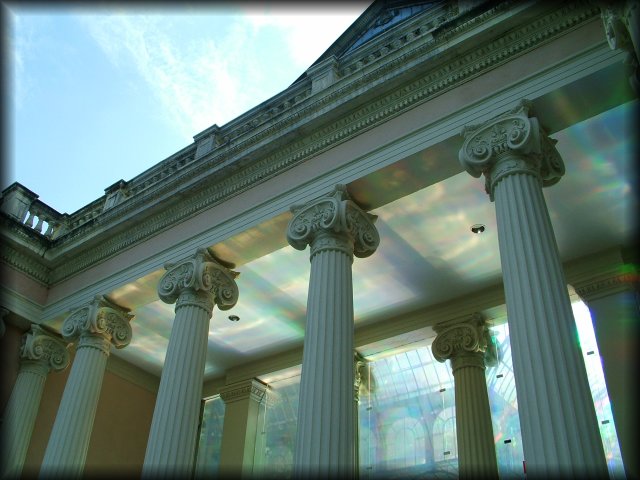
(511, 143)
(42, 347)
(98, 324)
(615, 29)
(333, 222)
(463, 342)
(199, 281)
(620, 20)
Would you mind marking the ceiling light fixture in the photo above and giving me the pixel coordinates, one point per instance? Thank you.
(234, 318)
(477, 228)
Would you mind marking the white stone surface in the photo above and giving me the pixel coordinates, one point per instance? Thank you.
(615, 313)
(40, 353)
(560, 432)
(336, 229)
(196, 285)
(97, 326)
(240, 452)
(464, 344)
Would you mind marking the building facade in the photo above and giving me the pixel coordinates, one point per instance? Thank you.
(439, 188)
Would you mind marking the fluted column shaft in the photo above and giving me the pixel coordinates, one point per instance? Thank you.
(97, 326)
(613, 303)
(559, 426)
(195, 285)
(336, 229)
(69, 442)
(325, 435)
(476, 448)
(20, 416)
(40, 353)
(173, 434)
(464, 344)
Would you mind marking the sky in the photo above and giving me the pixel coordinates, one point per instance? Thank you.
(99, 94)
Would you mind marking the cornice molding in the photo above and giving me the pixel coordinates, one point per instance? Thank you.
(236, 169)
(26, 264)
(621, 281)
(252, 389)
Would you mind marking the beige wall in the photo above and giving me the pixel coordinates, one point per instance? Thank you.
(120, 429)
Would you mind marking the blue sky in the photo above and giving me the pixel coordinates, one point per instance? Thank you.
(102, 94)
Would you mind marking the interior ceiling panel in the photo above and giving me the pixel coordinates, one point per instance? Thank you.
(428, 253)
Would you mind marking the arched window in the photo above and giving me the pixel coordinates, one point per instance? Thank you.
(406, 443)
(445, 446)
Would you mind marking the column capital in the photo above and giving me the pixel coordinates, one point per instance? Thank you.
(616, 17)
(466, 342)
(333, 222)
(41, 347)
(253, 389)
(200, 281)
(512, 142)
(98, 324)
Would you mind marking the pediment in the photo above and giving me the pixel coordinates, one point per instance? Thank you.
(390, 15)
(379, 18)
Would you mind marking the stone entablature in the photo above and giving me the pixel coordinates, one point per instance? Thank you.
(430, 59)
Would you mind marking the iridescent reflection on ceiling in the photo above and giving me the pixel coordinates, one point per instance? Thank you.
(427, 253)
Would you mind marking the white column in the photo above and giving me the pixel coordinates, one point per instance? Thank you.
(243, 422)
(613, 303)
(465, 342)
(97, 325)
(560, 432)
(195, 285)
(40, 353)
(336, 228)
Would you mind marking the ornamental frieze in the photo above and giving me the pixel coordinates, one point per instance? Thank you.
(251, 389)
(432, 82)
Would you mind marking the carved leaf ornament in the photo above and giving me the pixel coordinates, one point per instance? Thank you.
(511, 143)
(455, 340)
(101, 318)
(333, 222)
(39, 346)
(199, 274)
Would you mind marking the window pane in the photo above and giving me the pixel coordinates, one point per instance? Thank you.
(208, 456)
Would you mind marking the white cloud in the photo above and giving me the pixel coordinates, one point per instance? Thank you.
(19, 38)
(217, 77)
